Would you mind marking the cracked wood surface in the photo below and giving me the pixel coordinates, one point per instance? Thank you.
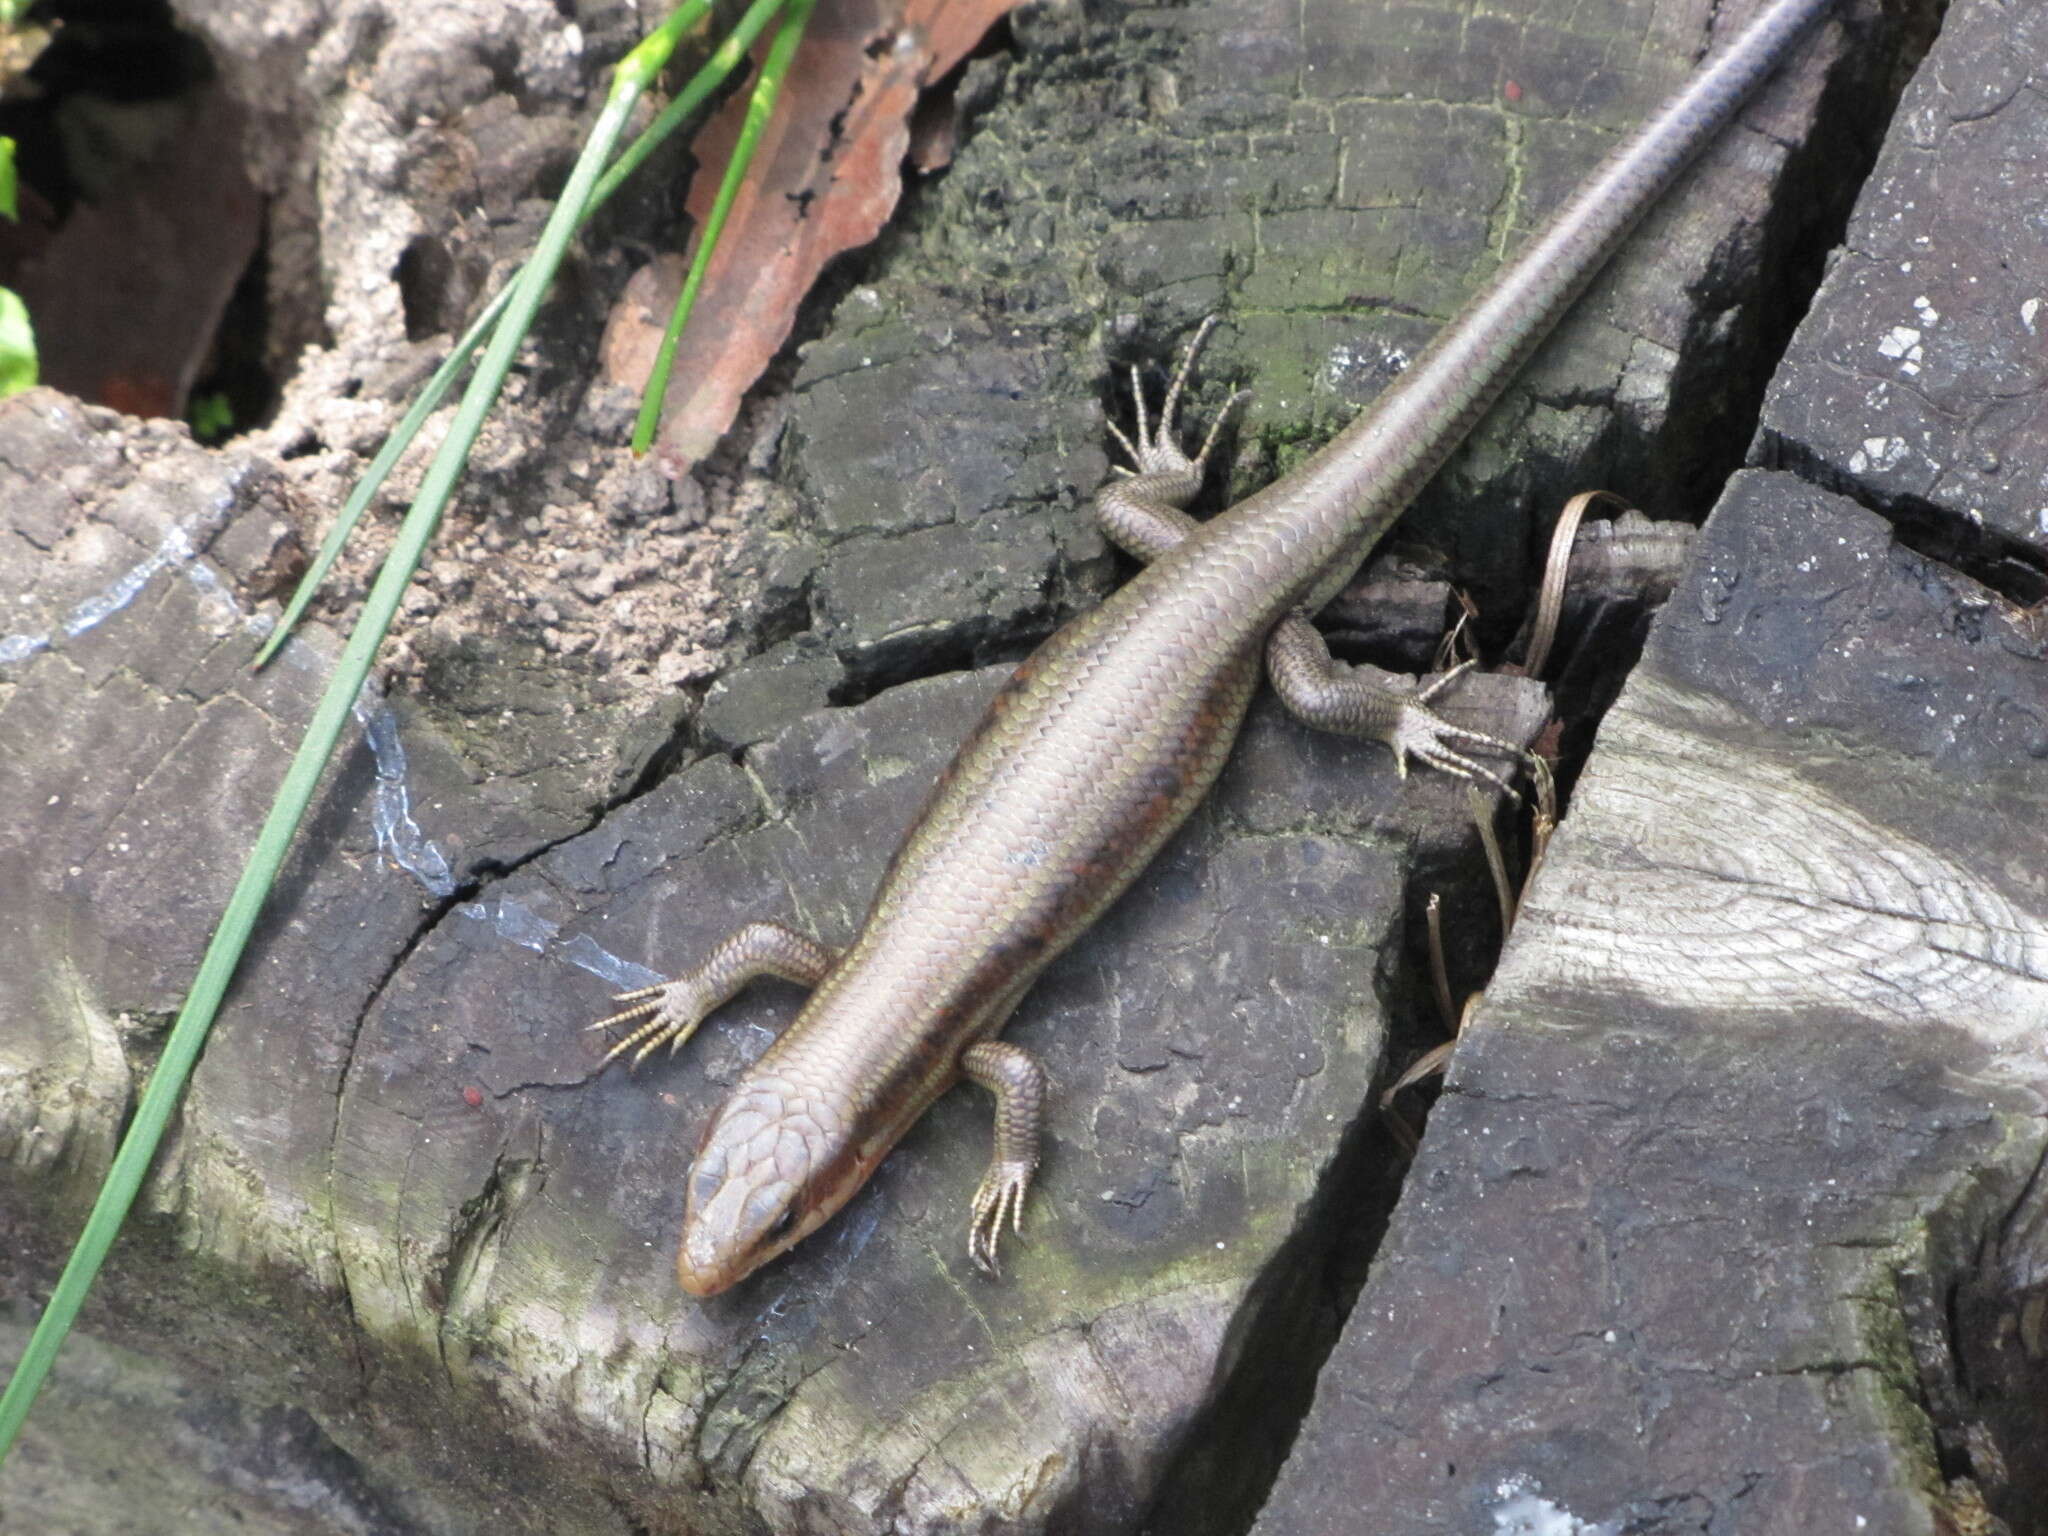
(393, 1197)
(1209, 1042)
(394, 1157)
(1922, 383)
(1331, 178)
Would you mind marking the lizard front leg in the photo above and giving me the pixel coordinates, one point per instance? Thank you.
(674, 1009)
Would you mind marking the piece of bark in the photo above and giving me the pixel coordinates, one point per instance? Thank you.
(1627, 559)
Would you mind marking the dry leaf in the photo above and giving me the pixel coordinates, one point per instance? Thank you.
(826, 177)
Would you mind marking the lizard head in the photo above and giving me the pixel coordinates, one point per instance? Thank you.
(770, 1169)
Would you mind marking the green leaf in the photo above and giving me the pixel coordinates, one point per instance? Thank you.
(212, 417)
(8, 209)
(17, 345)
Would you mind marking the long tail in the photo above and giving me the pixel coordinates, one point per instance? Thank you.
(1359, 483)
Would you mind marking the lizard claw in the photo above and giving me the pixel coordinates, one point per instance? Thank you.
(1422, 733)
(1154, 448)
(1001, 1193)
(673, 1010)
(1425, 735)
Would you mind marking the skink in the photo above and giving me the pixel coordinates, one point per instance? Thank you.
(1105, 740)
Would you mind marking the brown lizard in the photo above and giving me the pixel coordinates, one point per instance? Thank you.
(1104, 741)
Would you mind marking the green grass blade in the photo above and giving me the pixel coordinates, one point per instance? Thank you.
(17, 345)
(721, 63)
(723, 60)
(766, 89)
(302, 778)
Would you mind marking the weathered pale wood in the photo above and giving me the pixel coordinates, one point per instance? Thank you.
(1757, 1090)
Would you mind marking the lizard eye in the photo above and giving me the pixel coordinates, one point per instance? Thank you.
(770, 1211)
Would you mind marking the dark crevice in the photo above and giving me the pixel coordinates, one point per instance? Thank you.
(1975, 1311)
(959, 648)
(679, 750)
(2015, 570)
(511, 1184)
(429, 286)
(236, 389)
(1287, 1329)
(293, 1459)
(629, 1522)
(1224, 1468)
(1998, 1331)
(138, 246)
(130, 55)
(1718, 387)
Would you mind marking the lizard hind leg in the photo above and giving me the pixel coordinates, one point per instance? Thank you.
(1330, 695)
(674, 1009)
(1016, 1079)
(1141, 512)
